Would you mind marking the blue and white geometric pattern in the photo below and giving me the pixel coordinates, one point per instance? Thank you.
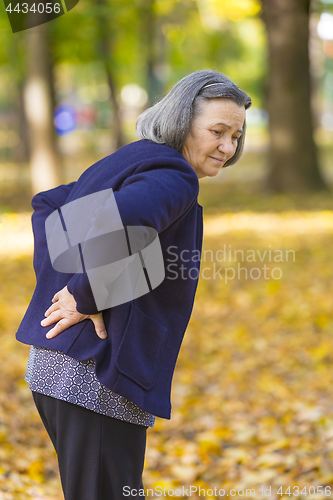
(55, 374)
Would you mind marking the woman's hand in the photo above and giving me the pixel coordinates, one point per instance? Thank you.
(64, 313)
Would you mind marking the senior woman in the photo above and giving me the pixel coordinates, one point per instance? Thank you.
(99, 377)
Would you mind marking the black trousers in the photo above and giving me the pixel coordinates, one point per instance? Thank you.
(98, 455)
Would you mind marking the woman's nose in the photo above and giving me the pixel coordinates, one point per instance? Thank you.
(226, 147)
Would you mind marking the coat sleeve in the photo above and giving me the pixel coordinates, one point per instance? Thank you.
(44, 204)
(155, 195)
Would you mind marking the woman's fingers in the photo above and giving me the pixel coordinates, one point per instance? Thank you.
(63, 323)
(58, 328)
(55, 297)
(52, 318)
(98, 321)
(63, 312)
(52, 308)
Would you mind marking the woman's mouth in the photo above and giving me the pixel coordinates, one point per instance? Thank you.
(220, 160)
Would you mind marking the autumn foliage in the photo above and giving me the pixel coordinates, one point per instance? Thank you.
(253, 388)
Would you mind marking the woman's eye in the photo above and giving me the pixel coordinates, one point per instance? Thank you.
(235, 138)
(217, 132)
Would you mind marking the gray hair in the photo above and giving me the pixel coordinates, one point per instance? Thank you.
(170, 120)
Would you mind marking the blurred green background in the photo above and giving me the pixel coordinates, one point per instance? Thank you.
(92, 71)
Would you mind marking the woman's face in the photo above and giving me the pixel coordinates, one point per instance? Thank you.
(213, 137)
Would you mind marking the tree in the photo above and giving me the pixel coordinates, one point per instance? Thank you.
(153, 44)
(293, 155)
(39, 106)
(105, 51)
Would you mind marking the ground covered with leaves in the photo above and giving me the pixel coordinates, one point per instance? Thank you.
(252, 394)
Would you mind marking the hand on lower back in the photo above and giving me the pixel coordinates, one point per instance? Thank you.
(63, 312)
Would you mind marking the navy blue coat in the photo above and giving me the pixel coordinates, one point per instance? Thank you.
(154, 186)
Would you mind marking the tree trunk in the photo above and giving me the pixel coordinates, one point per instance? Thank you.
(119, 139)
(22, 153)
(105, 52)
(153, 43)
(38, 102)
(293, 155)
